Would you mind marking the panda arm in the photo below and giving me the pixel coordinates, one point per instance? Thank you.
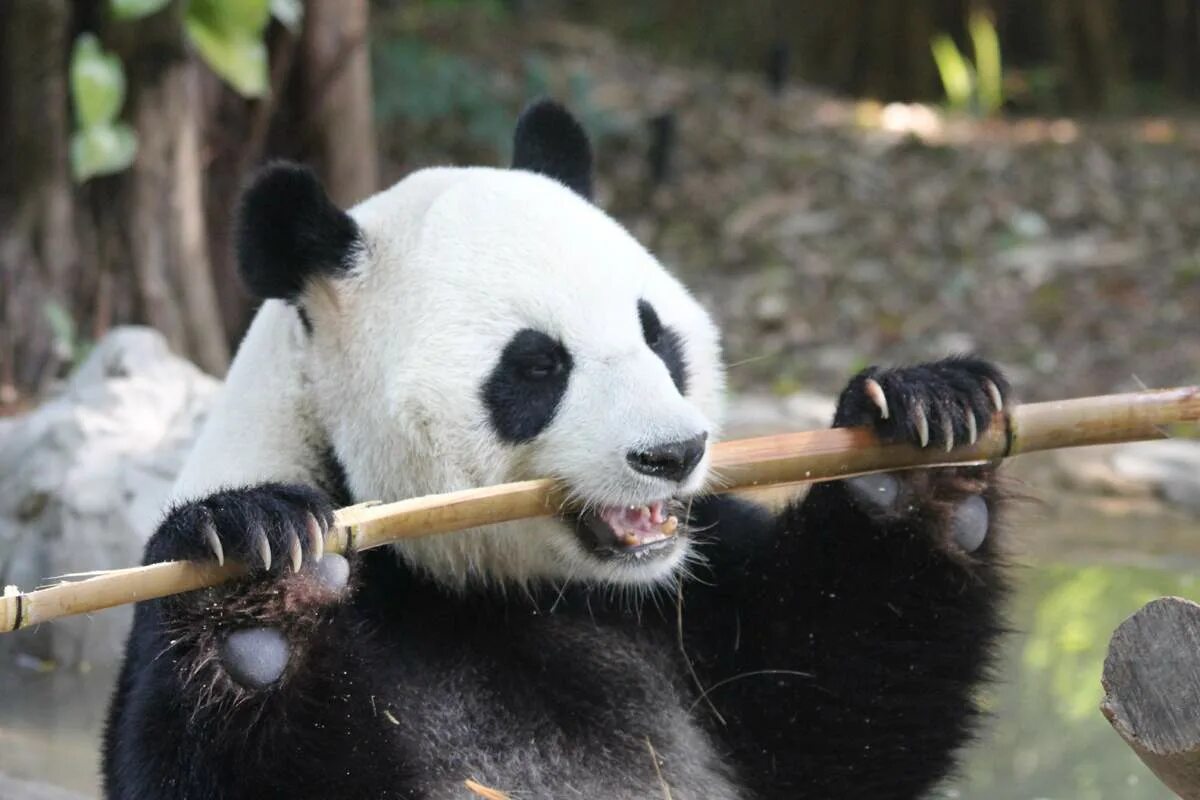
(842, 640)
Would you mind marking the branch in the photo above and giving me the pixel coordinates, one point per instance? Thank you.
(738, 465)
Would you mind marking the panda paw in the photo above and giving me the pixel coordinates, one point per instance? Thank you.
(963, 515)
(272, 528)
(941, 404)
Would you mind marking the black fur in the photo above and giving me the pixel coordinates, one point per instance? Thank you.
(943, 390)
(526, 386)
(665, 343)
(839, 647)
(550, 141)
(288, 230)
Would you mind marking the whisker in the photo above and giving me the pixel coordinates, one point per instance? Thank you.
(704, 695)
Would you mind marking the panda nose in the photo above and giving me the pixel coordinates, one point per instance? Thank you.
(672, 461)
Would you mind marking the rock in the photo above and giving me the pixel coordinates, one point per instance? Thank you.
(1169, 470)
(13, 789)
(1171, 467)
(85, 477)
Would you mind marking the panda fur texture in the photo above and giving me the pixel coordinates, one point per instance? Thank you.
(473, 326)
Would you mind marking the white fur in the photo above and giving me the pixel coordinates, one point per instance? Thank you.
(456, 261)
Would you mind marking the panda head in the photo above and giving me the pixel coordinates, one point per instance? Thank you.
(473, 326)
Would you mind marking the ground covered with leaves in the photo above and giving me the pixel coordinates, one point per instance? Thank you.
(827, 233)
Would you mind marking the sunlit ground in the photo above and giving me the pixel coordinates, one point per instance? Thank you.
(1047, 741)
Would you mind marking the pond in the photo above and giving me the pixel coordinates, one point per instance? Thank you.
(1047, 740)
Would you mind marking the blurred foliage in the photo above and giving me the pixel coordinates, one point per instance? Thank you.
(227, 34)
(1048, 738)
(1068, 54)
(69, 346)
(978, 87)
(100, 144)
(425, 88)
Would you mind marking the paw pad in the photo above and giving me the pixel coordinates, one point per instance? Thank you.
(255, 657)
(880, 491)
(969, 523)
(333, 571)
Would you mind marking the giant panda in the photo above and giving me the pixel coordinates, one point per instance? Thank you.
(472, 326)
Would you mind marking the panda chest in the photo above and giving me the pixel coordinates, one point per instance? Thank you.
(548, 706)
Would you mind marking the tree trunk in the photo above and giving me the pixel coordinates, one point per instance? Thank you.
(38, 245)
(158, 203)
(335, 98)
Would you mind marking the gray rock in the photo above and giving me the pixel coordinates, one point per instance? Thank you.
(83, 480)
(1171, 467)
(1169, 470)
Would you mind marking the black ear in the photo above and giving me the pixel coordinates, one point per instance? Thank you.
(288, 230)
(550, 141)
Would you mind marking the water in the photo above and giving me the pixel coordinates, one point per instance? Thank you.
(1047, 741)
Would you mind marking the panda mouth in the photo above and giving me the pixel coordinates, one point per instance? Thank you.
(630, 531)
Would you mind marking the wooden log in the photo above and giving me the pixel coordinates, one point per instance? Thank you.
(1152, 690)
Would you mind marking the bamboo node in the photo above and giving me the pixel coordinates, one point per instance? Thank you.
(14, 602)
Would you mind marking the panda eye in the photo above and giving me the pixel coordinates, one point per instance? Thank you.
(541, 366)
(651, 326)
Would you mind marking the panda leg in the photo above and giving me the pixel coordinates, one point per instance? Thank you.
(843, 640)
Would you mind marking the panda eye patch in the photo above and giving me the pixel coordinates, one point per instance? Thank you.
(524, 389)
(651, 326)
(666, 344)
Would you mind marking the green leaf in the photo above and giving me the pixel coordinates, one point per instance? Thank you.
(988, 66)
(102, 150)
(958, 78)
(136, 9)
(97, 82)
(237, 55)
(290, 13)
(230, 17)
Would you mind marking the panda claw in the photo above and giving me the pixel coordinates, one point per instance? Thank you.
(972, 430)
(263, 547)
(316, 538)
(875, 393)
(922, 423)
(295, 552)
(994, 393)
(948, 433)
(214, 542)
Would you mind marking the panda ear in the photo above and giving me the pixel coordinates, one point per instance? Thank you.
(550, 141)
(288, 231)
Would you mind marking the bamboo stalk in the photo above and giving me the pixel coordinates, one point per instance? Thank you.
(738, 465)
